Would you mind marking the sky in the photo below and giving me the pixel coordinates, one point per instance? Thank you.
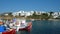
(28, 5)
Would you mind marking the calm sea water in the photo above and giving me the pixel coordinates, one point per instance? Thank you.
(43, 27)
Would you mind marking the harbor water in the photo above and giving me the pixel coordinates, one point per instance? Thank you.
(43, 27)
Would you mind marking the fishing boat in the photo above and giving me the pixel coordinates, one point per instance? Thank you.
(32, 19)
(21, 24)
(28, 27)
(9, 32)
(4, 30)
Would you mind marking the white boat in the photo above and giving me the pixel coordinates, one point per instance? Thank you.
(21, 24)
(4, 30)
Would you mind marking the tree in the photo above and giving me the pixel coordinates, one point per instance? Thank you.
(19, 14)
(34, 14)
(10, 14)
(44, 16)
(51, 14)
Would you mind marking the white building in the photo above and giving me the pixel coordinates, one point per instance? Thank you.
(55, 14)
(23, 13)
(59, 13)
(6, 14)
(39, 12)
(15, 14)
